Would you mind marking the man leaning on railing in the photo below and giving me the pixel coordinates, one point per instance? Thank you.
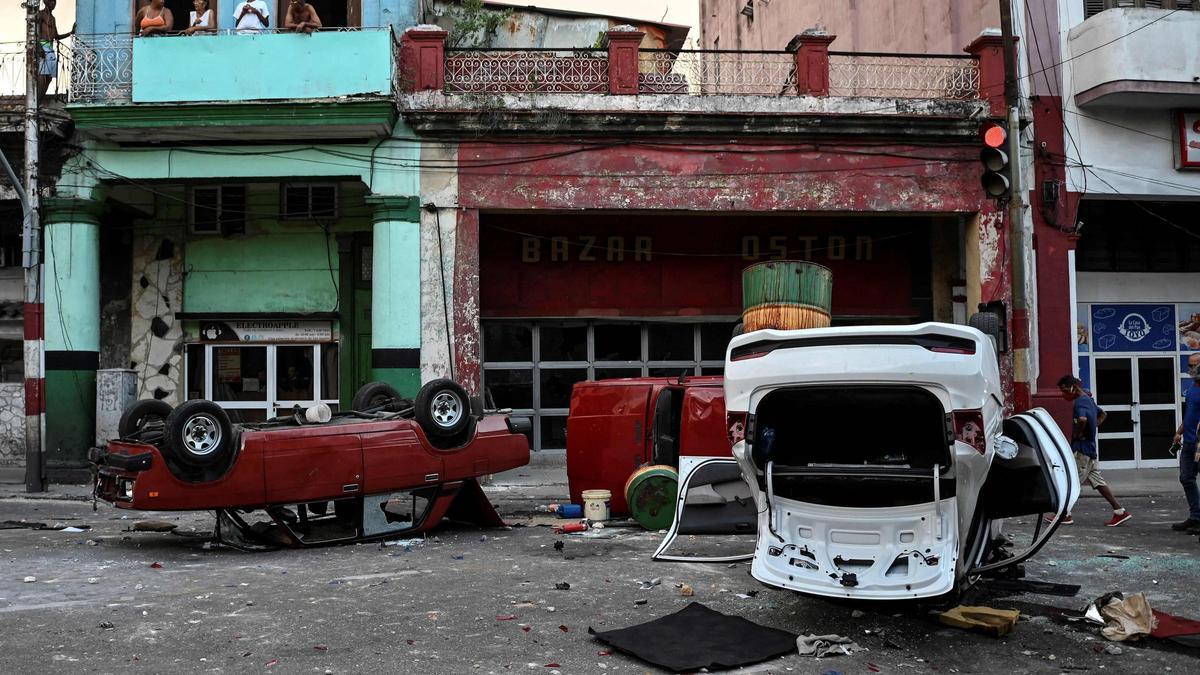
(47, 35)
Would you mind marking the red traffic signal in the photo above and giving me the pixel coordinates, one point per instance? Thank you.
(994, 159)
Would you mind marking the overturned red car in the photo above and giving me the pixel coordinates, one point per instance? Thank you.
(388, 468)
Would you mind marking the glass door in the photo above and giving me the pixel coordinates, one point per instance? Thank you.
(256, 382)
(1139, 395)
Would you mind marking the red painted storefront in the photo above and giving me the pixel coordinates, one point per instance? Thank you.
(536, 219)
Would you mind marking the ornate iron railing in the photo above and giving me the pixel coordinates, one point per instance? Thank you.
(12, 69)
(903, 75)
(101, 68)
(716, 72)
(571, 71)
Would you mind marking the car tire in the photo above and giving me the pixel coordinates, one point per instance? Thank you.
(988, 323)
(738, 329)
(141, 413)
(374, 395)
(199, 434)
(443, 409)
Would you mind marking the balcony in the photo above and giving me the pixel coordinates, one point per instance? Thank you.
(333, 83)
(1136, 58)
(443, 89)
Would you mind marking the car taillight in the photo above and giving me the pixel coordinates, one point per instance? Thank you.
(735, 426)
(746, 356)
(968, 428)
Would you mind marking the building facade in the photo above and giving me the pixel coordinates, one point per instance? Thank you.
(1118, 138)
(575, 201)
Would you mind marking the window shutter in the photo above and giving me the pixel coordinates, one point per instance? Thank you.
(295, 201)
(206, 202)
(233, 209)
(324, 201)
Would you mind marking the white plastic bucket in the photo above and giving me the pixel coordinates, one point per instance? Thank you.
(596, 503)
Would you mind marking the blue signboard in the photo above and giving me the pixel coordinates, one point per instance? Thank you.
(1085, 372)
(1133, 328)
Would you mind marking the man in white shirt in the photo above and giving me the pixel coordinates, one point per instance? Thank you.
(253, 16)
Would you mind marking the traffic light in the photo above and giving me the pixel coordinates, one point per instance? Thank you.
(994, 159)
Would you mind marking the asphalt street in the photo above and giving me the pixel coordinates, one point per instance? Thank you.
(466, 600)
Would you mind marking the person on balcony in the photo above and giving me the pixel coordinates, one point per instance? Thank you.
(201, 20)
(153, 19)
(47, 35)
(253, 16)
(301, 17)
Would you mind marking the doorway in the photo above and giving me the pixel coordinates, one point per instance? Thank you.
(255, 382)
(1139, 394)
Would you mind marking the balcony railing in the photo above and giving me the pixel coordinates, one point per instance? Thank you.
(624, 68)
(12, 69)
(572, 71)
(102, 68)
(716, 72)
(903, 75)
(103, 64)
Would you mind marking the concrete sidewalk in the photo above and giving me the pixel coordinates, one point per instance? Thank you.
(544, 480)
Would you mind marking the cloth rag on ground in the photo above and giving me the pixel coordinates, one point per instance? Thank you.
(821, 646)
(674, 641)
(1127, 619)
(1176, 629)
(994, 622)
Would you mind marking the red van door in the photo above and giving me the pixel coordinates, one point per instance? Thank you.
(606, 438)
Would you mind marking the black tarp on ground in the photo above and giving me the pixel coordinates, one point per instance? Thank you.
(697, 637)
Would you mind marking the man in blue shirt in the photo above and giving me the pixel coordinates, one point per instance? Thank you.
(1085, 417)
(1189, 457)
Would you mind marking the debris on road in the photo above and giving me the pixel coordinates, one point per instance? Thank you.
(1125, 618)
(562, 586)
(822, 646)
(670, 642)
(30, 579)
(988, 620)
(686, 590)
(651, 583)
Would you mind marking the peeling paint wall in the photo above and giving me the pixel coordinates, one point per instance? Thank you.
(157, 336)
(438, 244)
(12, 424)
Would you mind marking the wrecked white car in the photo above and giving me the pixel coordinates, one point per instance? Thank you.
(873, 463)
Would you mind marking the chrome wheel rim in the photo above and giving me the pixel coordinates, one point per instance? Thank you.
(447, 409)
(201, 435)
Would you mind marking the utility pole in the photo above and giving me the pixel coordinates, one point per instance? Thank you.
(1018, 241)
(31, 259)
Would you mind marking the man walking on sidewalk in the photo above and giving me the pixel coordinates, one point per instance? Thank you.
(1189, 455)
(1085, 417)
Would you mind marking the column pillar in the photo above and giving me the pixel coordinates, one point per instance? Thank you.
(812, 62)
(988, 50)
(623, 43)
(71, 300)
(396, 293)
(422, 58)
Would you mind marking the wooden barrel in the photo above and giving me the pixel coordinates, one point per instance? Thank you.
(786, 295)
(650, 493)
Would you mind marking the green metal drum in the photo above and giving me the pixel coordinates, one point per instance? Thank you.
(786, 294)
(650, 493)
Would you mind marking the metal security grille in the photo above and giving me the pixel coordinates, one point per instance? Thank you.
(531, 366)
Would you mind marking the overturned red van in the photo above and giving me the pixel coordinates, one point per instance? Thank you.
(616, 426)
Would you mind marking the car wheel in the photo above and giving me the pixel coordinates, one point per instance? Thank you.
(374, 395)
(443, 409)
(199, 434)
(141, 419)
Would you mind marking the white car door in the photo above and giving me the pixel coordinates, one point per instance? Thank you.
(1038, 478)
(713, 503)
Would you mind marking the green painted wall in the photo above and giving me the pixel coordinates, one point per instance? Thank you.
(72, 288)
(396, 292)
(70, 417)
(231, 67)
(386, 167)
